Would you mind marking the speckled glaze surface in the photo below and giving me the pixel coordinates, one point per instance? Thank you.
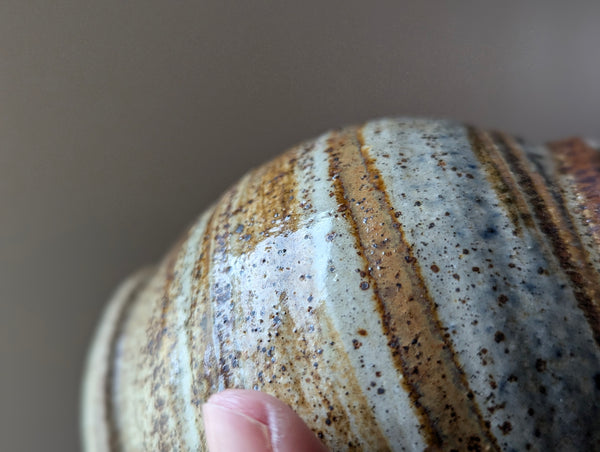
(404, 285)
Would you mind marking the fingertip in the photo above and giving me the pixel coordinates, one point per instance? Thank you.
(243, 413)
(229, 430)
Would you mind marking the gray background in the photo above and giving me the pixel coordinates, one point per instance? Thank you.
(121, 121)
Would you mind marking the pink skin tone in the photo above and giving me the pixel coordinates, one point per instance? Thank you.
(241, 420)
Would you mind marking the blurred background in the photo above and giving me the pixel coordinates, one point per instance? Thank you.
(121, 121)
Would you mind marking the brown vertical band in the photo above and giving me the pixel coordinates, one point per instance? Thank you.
(441, 398)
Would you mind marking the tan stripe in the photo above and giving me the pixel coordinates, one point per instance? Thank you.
(557, 227)
(432, 376)
(500, 178)
(266, 205)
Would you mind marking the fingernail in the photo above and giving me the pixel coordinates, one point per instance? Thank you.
(230, 431)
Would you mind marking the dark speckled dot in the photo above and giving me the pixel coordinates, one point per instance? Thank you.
(540, 365)
(505, 428)
(489, 233)
(364, 285)
(499, 336)
(380, 391)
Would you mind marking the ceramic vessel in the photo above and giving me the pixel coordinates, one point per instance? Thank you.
(403, 285)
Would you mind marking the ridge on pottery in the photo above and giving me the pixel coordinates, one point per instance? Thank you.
(407, 284)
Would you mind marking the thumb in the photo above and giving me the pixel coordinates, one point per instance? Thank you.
(238, 419)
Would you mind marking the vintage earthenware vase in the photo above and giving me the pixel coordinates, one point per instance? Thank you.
(403, 285)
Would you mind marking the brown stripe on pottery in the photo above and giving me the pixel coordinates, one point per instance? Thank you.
(268, 204)
(557, 227)
(581, 162)
(114, 442)
(432, 376)
(500, 178)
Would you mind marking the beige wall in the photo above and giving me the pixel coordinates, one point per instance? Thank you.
(121, 121)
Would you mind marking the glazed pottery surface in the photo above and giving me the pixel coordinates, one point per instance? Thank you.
(403, 285)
